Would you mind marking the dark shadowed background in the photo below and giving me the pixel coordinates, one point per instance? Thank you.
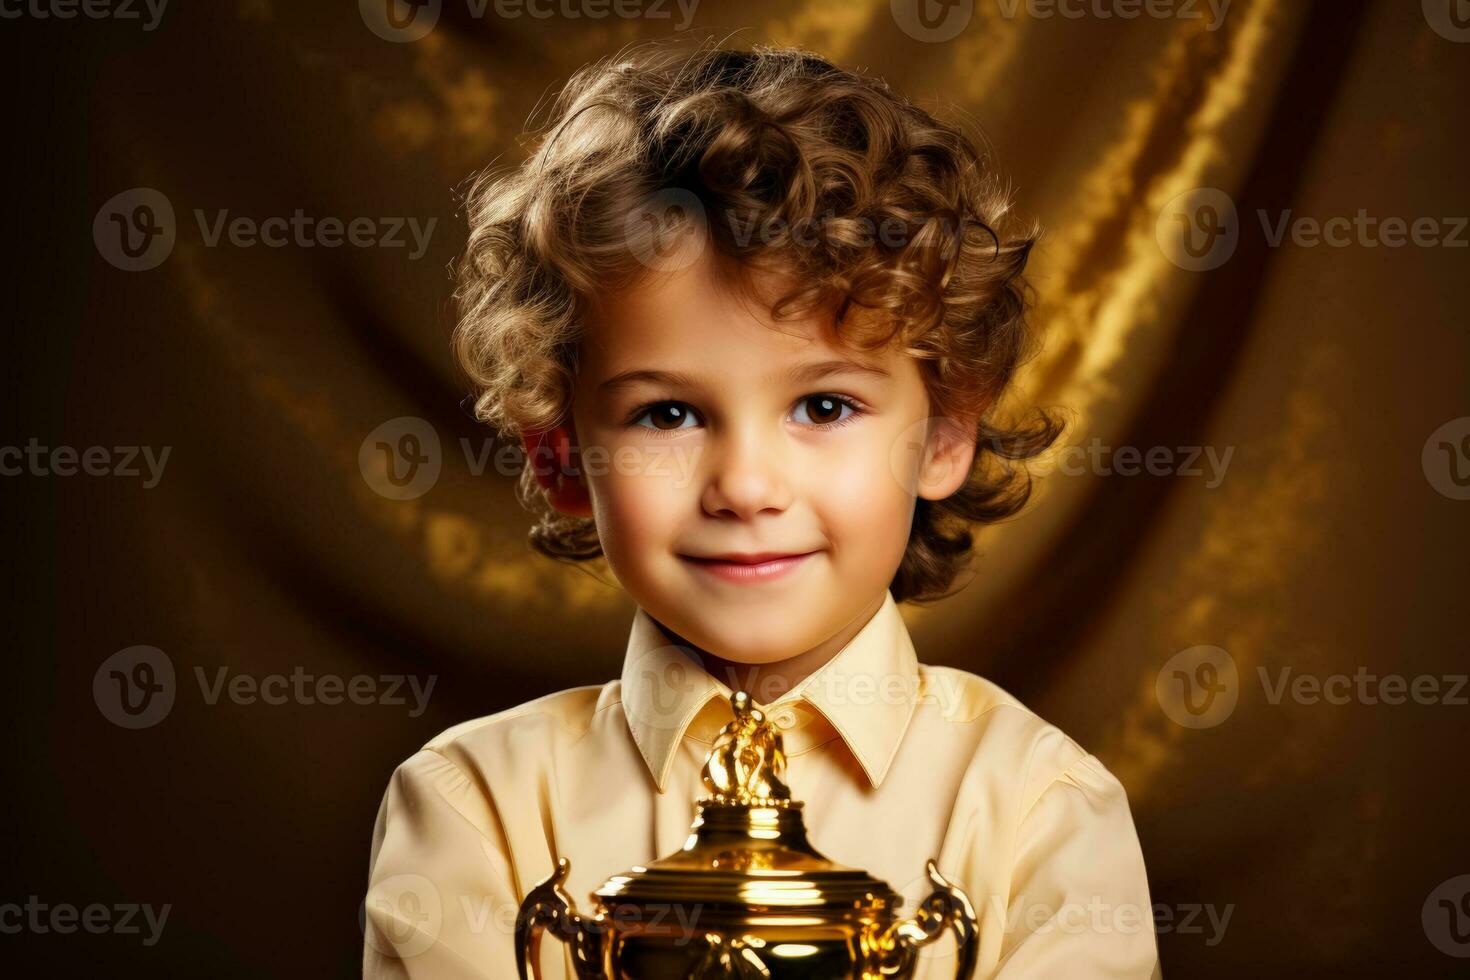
(1243, 587)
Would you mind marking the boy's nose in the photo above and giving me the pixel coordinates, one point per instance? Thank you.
(746, 477)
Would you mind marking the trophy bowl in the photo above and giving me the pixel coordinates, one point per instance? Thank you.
(747, 896)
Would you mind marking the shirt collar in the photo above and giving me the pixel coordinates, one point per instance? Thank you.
(867, 692)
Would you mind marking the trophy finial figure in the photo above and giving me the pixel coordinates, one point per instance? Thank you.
(748, 760)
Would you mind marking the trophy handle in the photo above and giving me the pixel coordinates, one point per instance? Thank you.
(548, 906)
(947, 905)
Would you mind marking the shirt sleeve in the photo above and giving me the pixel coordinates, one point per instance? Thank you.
(441, 901)
(1079, 901)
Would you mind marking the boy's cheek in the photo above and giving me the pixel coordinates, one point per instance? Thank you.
(623, 458)
(628, 543)
(636, 510)
(861, 484)
(639, 477)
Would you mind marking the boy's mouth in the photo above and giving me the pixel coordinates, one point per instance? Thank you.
(749, 567)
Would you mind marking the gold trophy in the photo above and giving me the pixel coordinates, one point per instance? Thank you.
(747, 896)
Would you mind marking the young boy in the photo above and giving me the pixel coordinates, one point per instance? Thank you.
(750, 314)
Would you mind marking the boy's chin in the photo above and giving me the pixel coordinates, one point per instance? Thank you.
(732, 634)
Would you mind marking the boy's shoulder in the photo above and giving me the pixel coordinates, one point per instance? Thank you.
(1006, 734)
(565, 713)
(967, 698)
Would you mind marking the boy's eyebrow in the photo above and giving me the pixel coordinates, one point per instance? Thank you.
(799, 374)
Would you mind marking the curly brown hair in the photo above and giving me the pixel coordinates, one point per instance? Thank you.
(782, 141)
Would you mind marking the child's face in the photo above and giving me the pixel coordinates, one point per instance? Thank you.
(742, 456)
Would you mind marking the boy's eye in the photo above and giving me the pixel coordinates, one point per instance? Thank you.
(822, 409)
(666, 415)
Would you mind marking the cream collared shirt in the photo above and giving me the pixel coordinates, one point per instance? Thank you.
(897, 762)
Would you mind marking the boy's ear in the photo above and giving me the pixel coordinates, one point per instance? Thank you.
(552, 456)
(949, 452)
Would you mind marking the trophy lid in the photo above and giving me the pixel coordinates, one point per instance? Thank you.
(747, 850)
